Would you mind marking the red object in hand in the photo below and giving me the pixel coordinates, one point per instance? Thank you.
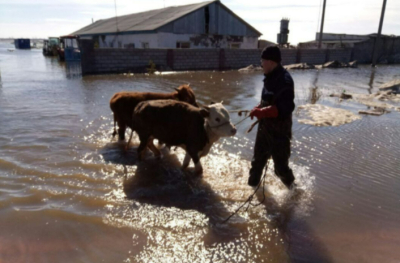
(267, 112)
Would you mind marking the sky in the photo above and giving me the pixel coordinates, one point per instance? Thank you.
(44, 18)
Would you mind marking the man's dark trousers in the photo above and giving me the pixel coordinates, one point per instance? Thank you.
(272, 145)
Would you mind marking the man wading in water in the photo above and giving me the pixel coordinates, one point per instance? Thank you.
(275, 115)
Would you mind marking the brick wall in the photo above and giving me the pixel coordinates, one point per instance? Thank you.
(124, 60)
(109, 60)
(388, 50)
(195, 59)
(342, 55)
(240, 58)
(313, 56)
(289, 56)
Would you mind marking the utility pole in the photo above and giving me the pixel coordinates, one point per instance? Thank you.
(378, 37)
(322, 25)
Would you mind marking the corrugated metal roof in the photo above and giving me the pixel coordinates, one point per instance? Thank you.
(144, 21)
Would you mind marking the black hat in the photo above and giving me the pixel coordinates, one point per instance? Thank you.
(272, 53)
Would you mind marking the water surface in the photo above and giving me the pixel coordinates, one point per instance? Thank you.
(68, 193)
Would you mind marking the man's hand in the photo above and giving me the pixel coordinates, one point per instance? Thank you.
(266, 112)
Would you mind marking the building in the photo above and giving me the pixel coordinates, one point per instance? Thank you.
(22, 43)
(204, 25)
(332, 41)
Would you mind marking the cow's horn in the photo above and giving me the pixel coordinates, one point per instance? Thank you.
(222, 101)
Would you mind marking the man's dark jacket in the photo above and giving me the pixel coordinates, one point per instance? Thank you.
(278, 90)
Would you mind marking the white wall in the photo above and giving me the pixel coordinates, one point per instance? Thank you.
(136, 39)
(169, 40)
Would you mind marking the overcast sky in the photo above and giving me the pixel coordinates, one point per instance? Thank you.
(44, 18)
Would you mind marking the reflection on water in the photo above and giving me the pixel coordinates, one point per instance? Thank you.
(315, 94)
(73, 69)
(371, 80)
(68, 193)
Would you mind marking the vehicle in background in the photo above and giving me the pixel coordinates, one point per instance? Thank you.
(69, 49)
(50, 46)
(22, 43)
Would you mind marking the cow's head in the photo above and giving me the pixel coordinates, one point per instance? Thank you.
(218, 120)
(186, 94)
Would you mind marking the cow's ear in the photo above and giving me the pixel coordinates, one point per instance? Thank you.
(212, 102)
(177, 89)
(204, 113)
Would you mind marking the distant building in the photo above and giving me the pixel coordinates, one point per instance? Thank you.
(204, 25)
(283, 36)
(22, 43)
(332, 41)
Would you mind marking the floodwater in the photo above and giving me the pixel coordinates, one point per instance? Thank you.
(68, 193)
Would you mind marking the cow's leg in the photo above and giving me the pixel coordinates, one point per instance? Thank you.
(129, 141)
(115, 130)
(186, 161)
(198, 169)
(121, 130)
(153, 148)
(142, 147)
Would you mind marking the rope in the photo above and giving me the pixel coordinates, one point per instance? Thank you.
(246, 112)
(248, 201)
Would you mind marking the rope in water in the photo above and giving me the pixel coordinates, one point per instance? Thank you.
(248, 201)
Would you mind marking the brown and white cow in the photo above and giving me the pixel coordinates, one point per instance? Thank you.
(180, 124)
(122, 105)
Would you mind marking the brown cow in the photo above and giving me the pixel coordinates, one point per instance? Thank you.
(180, 124)
(122, 105)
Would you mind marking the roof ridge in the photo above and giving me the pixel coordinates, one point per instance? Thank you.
(156, 13)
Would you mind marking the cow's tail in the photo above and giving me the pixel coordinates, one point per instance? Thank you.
(115, 129)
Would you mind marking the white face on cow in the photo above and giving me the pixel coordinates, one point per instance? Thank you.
(219, 121)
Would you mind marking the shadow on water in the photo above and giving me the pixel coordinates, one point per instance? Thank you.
(163, 183)
(117, 153)
(301, 244)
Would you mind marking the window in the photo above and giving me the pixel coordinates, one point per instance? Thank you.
(182, 44)
(145, 45)
(234, 45)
